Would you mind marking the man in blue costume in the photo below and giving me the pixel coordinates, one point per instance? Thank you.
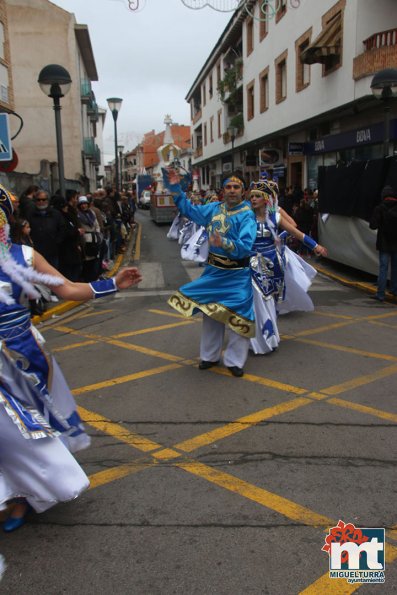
(223, 293)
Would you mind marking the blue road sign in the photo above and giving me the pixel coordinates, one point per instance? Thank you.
(5, 140)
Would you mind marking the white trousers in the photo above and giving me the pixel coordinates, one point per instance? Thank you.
(211, 344)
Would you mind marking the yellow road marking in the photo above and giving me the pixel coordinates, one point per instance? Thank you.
(287, 508)
(74, 345)
(364, 409)
(96, 313)
(264, 381)
(239, 424)
(317, 396)
(117, 431)
(165, 454)
(328, 586)
(165, 313)
(320, 329)
(143, 331)
(137, 253)
(329, 315)
(122, 379)
(380, 316)
(108, 475)
(359, 381)
(337, 347)
(383, 324)
(130, 346)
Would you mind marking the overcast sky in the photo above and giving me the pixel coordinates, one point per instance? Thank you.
(150, 58)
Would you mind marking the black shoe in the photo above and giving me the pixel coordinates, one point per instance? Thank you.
(204, 365)
(236, 371)
(377, 298)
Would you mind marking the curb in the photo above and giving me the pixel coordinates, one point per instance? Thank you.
(70, 305)
(365, 287)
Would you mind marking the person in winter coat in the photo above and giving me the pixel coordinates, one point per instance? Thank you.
(384, 219)
(47, 228)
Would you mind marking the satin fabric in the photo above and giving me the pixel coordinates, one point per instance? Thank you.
(38, 418)
(222, 294)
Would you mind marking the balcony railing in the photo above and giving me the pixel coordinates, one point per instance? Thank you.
(89, 147)
(85, 90)
(196, 116)
(198, 152)
(380, 40)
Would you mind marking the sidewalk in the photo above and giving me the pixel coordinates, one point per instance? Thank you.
(65, 306)
(348, 276)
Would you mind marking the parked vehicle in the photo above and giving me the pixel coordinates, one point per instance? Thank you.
(144, 200)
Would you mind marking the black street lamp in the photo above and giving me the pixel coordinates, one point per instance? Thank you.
(120, 149)
(55, 81)
(114, 104)
(384, 87)
(232, 130)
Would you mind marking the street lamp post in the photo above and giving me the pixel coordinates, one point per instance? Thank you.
(232, 130)
(55, 81)
(120, 149)
(384, 87)
(114, 104)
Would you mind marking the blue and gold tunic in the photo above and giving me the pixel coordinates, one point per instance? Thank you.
(267, 261)
(224, 290)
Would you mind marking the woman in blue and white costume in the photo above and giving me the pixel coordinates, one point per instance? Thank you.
(268, 263)
(39, 424)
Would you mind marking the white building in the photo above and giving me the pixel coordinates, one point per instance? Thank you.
(41, 33)
(289, 91)
(310, 114)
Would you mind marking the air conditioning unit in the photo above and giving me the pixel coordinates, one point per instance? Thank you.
(227, 166)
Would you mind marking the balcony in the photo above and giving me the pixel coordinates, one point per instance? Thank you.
(85, 91)
(196, 116)
(97, 155)
(92, 111)
(89, 148)
(198, 152)
(380, 51)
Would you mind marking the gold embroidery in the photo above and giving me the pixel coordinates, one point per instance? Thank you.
(240, 325)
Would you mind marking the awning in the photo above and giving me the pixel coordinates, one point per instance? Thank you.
(327, 45)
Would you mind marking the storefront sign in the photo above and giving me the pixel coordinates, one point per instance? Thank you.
(296, 148)
(350, 139)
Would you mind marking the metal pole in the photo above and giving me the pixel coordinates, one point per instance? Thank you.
(386, 134)
(58, 131)
(115, 150)
(232, 154)
(121, 170)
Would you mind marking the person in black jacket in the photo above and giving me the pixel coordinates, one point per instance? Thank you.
(47, 228)
(70, 249)
(384, 219)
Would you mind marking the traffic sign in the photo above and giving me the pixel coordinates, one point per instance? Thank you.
(5, 140)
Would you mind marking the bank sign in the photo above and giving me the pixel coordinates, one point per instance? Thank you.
(352, 138)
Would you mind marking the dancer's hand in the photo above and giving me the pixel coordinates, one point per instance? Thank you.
(320, 250)
(215, 239)
(128, 277)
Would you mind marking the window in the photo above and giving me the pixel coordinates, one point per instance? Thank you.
(2, 41)
(212, 129)
(218, 73)
(250, 100)
(264, 90)
(263, 16)
(281, 10)
(205, 134)
(210, 89)
(3, 83)
(250, 36)
(219, 123)
(204, 94)
(302, 72)
(281, 77)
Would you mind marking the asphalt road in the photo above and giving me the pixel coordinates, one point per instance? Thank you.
(202, 483)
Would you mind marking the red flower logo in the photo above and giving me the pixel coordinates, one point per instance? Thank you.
(343, 533)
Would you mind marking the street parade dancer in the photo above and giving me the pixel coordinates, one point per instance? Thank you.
(39, 424)
(268, 265)
(223, 293)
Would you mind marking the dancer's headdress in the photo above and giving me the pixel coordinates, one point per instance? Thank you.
(269, 189)
(233, 180)
(22, 276)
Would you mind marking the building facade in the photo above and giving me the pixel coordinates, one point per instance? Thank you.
(289, 90)
(38, 31)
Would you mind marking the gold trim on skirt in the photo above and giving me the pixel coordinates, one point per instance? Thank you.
(240, 325)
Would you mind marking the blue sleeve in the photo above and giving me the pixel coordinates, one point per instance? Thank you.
(200, 214)
(241, 246)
